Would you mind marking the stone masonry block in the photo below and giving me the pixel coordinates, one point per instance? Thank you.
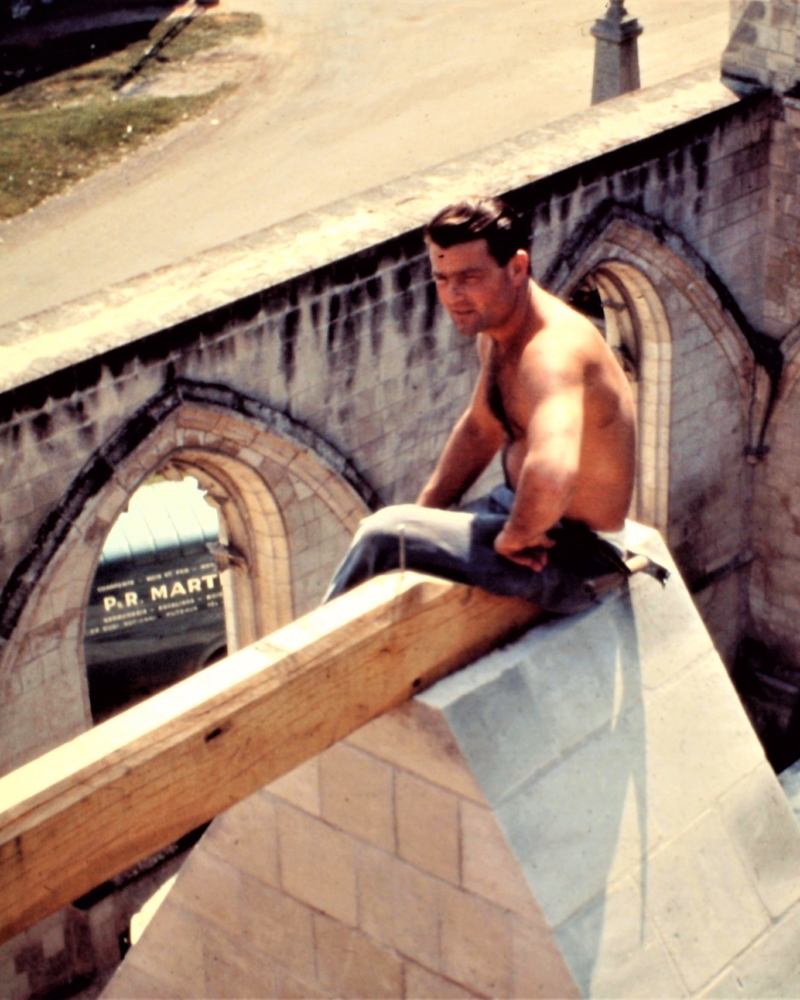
(357, 795)
(330, 887)
(422, 982)
(130, 981)
(765, 833)
(771, 968)
(416, 738)
(232, 968)
(476, 941)
(351, 965)
(172, 961)
(300, 787)
(507, 706)
(421, 808)
(669, 631)
(398, 906)
(614, 948)
(210, 890)
(489, 868)
(688, 723)
(538, 966)
(584, 799)
(694, 885)
(277, 926)
(246, 836)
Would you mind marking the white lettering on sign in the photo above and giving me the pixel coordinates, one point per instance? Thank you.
(161, 592)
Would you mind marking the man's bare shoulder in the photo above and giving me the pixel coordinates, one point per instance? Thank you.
(565, 342)
(561, 319)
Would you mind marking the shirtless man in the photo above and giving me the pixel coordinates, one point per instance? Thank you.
(552, 396)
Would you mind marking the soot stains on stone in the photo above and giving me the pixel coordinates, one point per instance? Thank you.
(320, 281)
(223, 350)
(403, 311)
(355, 298)
(589, 196)
(366, 263)
(248, 309)
(420, 351)
(87, 374)
(345, 320)
(316, 309)
(699, 154)
(377, 319)
(42, 426)
(630, 183)
(334, 308)
(543, 213)
(431, 313)
(745, 34)
(411, 244)
(88, 436)
(351, 345)
(288, 337)
(344, 272)
(402, 278)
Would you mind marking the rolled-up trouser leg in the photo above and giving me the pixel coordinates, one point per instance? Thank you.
(459, 546)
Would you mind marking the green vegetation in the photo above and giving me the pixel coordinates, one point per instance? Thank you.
(64, 127)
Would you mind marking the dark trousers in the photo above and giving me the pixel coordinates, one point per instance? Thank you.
(459, 545)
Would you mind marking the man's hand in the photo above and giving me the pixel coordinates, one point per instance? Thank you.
(527, 552)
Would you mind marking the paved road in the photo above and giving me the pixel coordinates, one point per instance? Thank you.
(343, 95)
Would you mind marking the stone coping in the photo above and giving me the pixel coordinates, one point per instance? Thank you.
(44, 343)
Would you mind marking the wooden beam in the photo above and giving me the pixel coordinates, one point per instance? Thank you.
(93, 807)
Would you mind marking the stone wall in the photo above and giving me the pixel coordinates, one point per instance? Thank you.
(299, 408)
(306, 374)
(763, 49)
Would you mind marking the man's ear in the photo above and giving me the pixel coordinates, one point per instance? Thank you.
(520, 265)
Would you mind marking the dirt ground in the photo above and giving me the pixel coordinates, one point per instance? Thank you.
(337, 96)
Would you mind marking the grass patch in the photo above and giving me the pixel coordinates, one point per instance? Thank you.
(63, 127)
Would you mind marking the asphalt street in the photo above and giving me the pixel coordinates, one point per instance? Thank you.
(341, 96)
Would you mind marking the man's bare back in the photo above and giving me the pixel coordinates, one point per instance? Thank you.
(550, 393)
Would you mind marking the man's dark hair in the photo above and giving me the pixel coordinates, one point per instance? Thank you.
(487, 219)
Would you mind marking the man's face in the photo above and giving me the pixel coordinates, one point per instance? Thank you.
(476, 291)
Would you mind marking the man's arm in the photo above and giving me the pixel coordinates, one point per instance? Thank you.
(550, 469)
(471, 446)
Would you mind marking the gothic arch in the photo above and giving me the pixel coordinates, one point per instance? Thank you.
(635, 275)
(790, 348)
(269, 478)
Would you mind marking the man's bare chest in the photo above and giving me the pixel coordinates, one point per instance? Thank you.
(503, 402)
